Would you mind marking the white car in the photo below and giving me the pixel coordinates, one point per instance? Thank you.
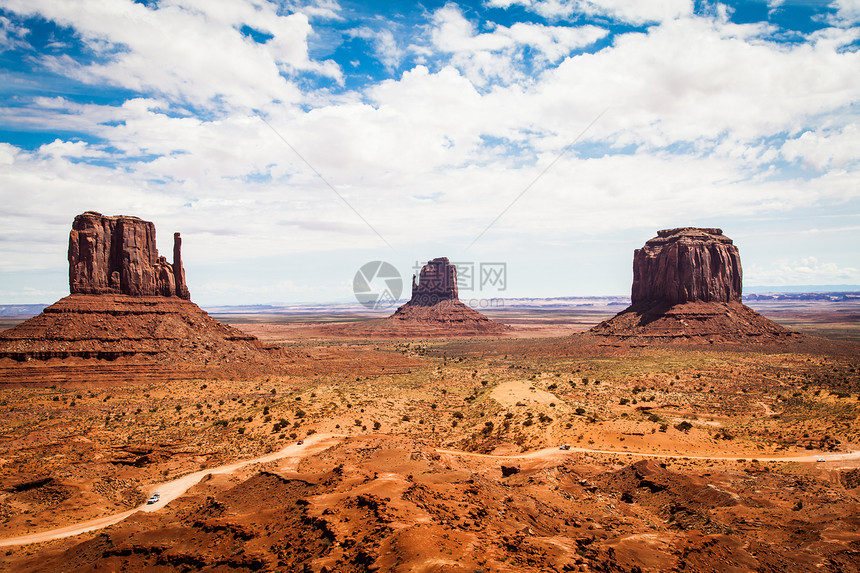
(820, 460)
(153, 499)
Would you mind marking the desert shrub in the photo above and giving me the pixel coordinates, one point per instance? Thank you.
(376, 425)
(458, 415)
(300, 413)
(405, 418)
(580, 411)
(624, 401)
(683, 426)
(488, 428)
(241, 431)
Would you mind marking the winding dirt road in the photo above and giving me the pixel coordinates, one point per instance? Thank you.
(173, 489)
(319, 442)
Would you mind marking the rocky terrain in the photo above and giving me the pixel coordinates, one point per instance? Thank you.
(447, 458)
(687, 286)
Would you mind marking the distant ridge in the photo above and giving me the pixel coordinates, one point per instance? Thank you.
(21, 309)
(801, 288)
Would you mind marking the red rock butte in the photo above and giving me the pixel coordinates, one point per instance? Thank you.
(117, 255)
(687, 285)
(126, 302)
(435, 306)
(437, 282)
(687, 265)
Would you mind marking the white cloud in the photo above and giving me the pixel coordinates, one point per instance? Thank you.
(385, 45)
(805, 271)
(826, 148)
(497, 55)
(431, 157)
(847, 11)
(11, 35)
(187, 50)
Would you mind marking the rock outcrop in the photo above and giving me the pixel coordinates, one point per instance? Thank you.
(127, 303)
(437, 281)
(687, 265)
(435, 308)
(687, 286)
(117, 255)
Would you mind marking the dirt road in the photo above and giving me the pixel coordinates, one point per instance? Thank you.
(319, 442)
(173, 489)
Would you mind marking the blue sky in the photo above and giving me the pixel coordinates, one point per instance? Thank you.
(291, 142)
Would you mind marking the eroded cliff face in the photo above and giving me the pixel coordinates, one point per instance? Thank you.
(687, 287)
(686, 265)
(117, 255)
(437, 281)
(435, 306)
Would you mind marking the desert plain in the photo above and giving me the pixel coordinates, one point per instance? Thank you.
(444, 453)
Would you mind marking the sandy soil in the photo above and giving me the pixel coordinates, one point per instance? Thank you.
(446, 459)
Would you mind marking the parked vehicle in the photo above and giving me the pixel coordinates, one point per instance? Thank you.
(153, 499)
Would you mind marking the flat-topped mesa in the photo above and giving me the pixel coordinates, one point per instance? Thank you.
(688, 264)
(117, 255)
(687, 287)
(437, 281)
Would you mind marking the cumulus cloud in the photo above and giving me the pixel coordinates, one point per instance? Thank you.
(847, 11)
(826, 148)
(704, 121)
(497, 55)
(805, 271)
(186, 50)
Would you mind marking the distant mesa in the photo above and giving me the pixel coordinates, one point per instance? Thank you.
(435, 304)
(687, 285)
(126, 302)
